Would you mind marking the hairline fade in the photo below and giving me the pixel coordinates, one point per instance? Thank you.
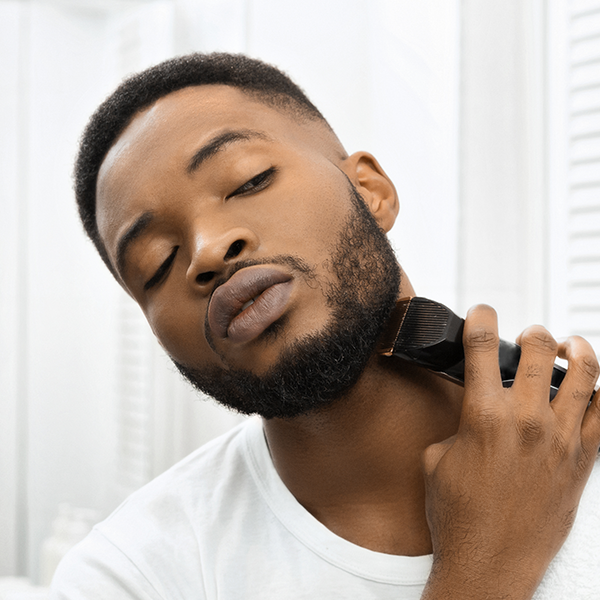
(260, 80)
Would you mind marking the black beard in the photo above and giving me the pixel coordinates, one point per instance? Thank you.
(318, 369)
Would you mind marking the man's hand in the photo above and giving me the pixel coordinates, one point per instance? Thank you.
(502, 494)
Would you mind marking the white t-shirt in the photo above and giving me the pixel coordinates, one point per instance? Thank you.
(221, 525)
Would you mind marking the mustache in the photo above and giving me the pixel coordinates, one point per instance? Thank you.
(294, 262)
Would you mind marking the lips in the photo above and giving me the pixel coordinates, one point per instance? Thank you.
(251, 300)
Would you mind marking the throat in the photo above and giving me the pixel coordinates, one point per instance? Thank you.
(397, 526)
(356, 467)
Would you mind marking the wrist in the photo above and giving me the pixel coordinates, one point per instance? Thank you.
(477, 581)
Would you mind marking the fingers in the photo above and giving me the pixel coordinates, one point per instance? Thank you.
(483, 402)
(583, 370)
(538, 353)
(590, 428)
(576, 422)
(489, 409)
(480, 341)
(571, 402)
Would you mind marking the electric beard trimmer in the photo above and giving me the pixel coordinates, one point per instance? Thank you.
(429, 334)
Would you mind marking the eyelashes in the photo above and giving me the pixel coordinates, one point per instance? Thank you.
(256, 184)
(162, 270)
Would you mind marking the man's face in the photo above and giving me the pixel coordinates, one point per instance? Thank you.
(228, 221)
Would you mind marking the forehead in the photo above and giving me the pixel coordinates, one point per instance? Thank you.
(184, 120)
(193, 115)
(168, 133)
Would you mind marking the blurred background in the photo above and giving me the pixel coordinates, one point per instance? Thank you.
(485, 114)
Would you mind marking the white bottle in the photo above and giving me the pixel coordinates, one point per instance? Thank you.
(68, 529)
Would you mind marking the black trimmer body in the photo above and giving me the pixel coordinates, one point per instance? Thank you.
(429, 334)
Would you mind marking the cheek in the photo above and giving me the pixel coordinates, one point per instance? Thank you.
(308, 223)
(179, 328)
(327, 209)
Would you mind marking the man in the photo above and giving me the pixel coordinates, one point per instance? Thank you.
(224, 204)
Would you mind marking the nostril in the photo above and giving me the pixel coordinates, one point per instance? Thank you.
(235, 249)
(205, 277)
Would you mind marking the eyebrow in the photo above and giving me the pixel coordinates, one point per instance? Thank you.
(212, 147)
(219, 142)
(132, 233)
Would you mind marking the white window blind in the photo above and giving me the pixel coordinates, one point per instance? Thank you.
(583, 171)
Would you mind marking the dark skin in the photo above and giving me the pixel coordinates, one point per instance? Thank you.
(373, 494)
(405, 463)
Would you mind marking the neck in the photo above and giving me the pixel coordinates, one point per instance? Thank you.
(355, 466)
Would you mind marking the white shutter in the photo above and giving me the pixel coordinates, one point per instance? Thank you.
(583, 170)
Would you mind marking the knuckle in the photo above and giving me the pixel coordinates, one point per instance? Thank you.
(533, 371)
(530, 430)
(589, 366)
(480, 339)
(583, 358)
(539, 338)
(487, 421)
(579, 396)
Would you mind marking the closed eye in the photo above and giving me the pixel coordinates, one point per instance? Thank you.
(261, 181)
(161, 271)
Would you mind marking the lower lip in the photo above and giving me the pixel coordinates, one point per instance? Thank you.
(265, 310)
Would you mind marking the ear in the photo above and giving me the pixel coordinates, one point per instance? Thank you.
(374, 186)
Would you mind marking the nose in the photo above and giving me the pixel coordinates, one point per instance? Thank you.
(212, 254)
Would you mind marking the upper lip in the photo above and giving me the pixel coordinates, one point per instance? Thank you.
(244, 285)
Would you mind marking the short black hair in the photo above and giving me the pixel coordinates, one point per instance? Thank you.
(263, 81)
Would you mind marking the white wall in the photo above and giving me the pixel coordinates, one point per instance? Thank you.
(384, 72)
(503, 193)
(11, 349)
(62, 391)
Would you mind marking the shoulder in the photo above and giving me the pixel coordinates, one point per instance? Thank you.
(97, 569)
(150, 543)
(183, 493)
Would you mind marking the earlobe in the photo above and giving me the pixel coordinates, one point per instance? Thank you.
(374, 186)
